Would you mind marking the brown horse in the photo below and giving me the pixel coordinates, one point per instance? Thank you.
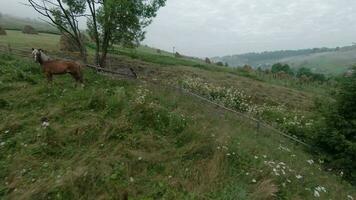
(56, 67)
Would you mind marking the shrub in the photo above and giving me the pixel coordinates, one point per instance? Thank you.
(67, 44)
(207, 61)
(219, 64)
(178, 55)
(2, 31)
(29, 30)
(278, 67)
(229, 97)
(154, 116)
(335, 136)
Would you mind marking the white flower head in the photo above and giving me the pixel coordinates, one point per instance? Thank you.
(310, 162)
(316, 193)
(45, 124)
(349, 197)
(299, 176)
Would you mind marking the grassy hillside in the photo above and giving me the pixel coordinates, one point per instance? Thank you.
(323, 60)
(19, 40)
(17, 23)
(115, 135)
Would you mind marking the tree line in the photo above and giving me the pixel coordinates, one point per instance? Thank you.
(301, 72)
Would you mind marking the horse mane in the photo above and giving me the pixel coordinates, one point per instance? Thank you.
(44, 57)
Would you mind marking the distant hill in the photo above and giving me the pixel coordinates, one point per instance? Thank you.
(321, 60)
(17, 23)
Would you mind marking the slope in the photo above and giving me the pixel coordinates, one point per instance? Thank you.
(320, 60)
(114, 135)
(17, 23)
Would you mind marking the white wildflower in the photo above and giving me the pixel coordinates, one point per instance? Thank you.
(349, 197)
(132, 179)
(140, 158)
(264, 156)
(299, 176)
(7, 131)
(316, 193)
(256, 157)
(45, 124)
(254, 181)
(310, 162)
(2, 143)
(320, 189)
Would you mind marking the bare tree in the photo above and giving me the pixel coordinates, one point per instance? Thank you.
(64, 15)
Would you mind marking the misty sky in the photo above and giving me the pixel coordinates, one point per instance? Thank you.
(223, 27)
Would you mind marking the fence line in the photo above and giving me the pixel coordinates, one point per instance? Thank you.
(181, 90)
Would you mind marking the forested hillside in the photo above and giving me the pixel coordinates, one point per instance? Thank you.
(321, 60)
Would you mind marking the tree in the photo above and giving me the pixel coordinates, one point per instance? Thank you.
(207, 61)
(279, 67)
(64, 15)
(109, 22)
(226, 64)
(336, 136)
(119, 22)
(220, 63)
(306, 72)
(2, 31)
(29, 30)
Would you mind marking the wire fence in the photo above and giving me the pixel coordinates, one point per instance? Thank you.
(130, 73)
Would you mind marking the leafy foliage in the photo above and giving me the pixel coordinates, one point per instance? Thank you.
(279, 67)
(120, 22)
(336, 135)
(308, 73)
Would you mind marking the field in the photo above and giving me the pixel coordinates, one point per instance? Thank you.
(17, 23)
(19, 40)
(116, 135)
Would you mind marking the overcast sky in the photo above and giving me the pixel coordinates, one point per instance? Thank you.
(223, 27)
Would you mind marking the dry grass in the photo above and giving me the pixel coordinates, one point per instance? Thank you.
(265, 190)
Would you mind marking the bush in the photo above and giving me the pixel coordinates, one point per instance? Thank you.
(67, 44)
(335, 136)
(278, 67)
(305, 73)
(29, 30)
(219, 64)
(178, 55)
(155, 117)
(2, 31)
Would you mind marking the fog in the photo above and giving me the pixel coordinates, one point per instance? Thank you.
(213, 28)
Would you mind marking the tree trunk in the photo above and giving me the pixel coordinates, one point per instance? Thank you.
(91, 4)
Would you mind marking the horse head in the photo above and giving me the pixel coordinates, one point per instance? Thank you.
(36, 54)
(39, 56)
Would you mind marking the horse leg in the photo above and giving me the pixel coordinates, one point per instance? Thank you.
(79, 78)
(49, 77)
